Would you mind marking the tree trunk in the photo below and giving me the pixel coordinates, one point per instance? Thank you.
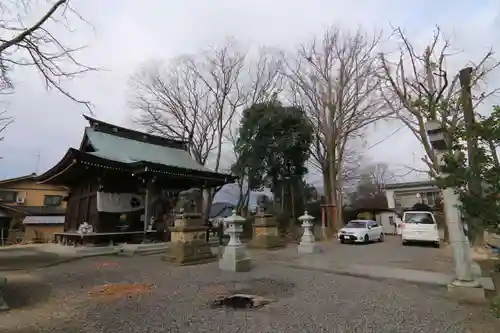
(339, 201)
(340, 209)
(327, 230)
(242, 194)
(446, 234)
(332, 223)
(208, 196)
(478, 240)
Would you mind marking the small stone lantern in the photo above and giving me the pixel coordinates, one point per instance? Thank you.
(307, 241)
(235, 257)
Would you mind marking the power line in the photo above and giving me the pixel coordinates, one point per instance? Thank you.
(387, 137)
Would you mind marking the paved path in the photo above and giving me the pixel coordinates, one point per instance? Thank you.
(61, 299)
(388, 260)
(387, 254)
(390, 253)
(26, 258)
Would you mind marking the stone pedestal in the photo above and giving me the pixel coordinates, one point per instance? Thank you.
(307, 241)
(235, 257)
(265, 233)
(189, 244)
(3, 283)
(470, 292)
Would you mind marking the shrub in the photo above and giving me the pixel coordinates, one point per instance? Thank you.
(495, 306)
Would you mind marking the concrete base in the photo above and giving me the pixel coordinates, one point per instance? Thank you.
(235, 259)
(189, 242)
(143, 249)
(308, 248)
(189, 253)
(470, 292)
(266, 242)
(3, 283)
(97, 250)
(265, 233)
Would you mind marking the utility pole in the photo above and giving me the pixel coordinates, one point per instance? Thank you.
(472, 148)
(37, 161)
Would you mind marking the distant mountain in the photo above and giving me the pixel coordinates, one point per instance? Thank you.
(230, 194)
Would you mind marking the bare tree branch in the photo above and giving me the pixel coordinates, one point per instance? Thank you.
(418, 87)
(199, 98)
(36, 46)
(335, 80)
(370, 189)
(175, 103)
(4, 122)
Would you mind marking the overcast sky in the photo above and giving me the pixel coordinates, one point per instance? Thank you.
(129, 32)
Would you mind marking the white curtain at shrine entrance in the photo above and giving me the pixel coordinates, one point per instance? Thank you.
(119, 202)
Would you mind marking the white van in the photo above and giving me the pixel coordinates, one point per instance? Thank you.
(419, 226)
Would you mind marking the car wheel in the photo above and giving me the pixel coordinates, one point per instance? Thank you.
(436, 245)
(404, 243)
(381, 238)
(342, 241)
(366, 239)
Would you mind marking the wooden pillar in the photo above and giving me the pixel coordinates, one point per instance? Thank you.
(333, 211)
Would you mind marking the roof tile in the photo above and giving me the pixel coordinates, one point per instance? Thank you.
(125, 150)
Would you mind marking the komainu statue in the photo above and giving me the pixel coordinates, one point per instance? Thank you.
(189, 201)
(264, 205)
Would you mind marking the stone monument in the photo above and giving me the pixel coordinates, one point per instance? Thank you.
(307, 241)
(265, 227)
(235, 257)
(189, 244)
(3, 283)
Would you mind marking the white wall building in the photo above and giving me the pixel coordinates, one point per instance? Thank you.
(403, 196)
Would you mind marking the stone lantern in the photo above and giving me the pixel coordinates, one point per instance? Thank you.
(235, 257)
(307, 241)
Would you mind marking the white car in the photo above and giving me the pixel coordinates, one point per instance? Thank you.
(361, 231)
(419, 226)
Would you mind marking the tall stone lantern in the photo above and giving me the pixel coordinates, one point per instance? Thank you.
(307, 241)
(235, 257)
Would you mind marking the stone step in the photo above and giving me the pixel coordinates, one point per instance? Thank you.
(143, 249)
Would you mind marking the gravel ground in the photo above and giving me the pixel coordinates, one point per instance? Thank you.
(58, 299)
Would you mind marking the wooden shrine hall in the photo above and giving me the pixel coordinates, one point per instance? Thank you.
(123, 184)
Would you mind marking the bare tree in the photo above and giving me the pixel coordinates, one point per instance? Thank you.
(33, 45)
(418, 87)
(334, 80)
(380, 175)
(266, 83)
(369, 191)
(243, 187)
(4, 122)
(174, 102)
(197, 98)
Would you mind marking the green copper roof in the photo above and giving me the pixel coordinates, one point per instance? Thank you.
(125, 150)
